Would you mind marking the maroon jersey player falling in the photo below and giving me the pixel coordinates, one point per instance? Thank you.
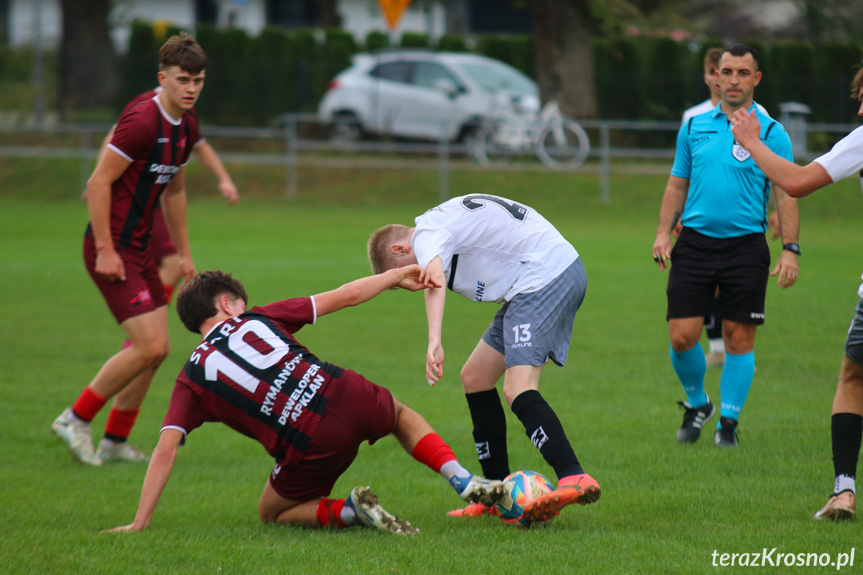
(251, 374)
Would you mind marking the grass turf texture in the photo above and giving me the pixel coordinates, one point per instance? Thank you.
(665, 507)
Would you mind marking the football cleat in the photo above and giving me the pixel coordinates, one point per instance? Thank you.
(76, 434)
(840, 507)
(122, 451)
(371, 514)
(582, 489)
(694, 419)
(727, 435)
(474, 510)
(476, 489)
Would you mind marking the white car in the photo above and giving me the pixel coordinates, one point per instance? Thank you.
(424, 95)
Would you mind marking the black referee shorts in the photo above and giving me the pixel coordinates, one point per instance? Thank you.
(739, 266)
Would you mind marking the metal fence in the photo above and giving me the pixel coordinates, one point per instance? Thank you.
(301, 141)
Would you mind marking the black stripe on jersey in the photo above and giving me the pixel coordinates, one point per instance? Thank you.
(250, 407)
(453, 267)
(318, 403)
(330, 369)
(146, 181)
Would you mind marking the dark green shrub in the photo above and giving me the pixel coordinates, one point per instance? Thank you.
(377, 40)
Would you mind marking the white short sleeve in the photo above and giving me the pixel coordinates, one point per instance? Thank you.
(846, 157)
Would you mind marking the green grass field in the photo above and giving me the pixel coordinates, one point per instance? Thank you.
(665, 507)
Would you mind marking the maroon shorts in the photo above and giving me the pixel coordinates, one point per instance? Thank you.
(161, 242)
(142, 290)
(362, 411)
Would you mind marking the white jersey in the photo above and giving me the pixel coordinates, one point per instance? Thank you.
(846, 157)
(697, 110)
(843, 160)
(707, 106)
(492, 248)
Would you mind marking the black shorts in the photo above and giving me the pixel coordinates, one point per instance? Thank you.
(739, 266)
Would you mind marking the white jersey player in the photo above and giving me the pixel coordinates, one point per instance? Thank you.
(491, 249)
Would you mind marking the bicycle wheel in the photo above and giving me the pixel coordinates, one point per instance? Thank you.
(495, 145)
(562, 145)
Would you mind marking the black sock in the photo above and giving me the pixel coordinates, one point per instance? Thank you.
(545, 431)
(489, 432)
(713, 326)
(846, 430)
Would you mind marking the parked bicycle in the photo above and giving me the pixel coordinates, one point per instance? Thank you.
(558, 142)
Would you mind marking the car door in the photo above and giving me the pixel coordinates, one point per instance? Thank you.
(419, 105)
(390, 88)
(434, 103)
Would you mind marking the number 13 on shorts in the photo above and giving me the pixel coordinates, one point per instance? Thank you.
(521, 333)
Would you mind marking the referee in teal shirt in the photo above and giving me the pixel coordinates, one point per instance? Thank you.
(719, 195)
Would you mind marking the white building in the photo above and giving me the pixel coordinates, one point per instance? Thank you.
(32, 21)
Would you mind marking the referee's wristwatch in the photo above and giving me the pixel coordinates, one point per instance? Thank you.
(792, 247)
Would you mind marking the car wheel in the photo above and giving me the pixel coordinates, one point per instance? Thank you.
(345, 128)
(470, 137)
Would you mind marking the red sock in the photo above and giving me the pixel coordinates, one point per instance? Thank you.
(88, 404)
(330, 513)
(433, 451)
(120, 423)
(169, 291)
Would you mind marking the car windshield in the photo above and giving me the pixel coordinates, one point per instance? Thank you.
(496, 78)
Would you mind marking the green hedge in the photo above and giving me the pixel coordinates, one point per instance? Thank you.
(252, 80)
(140, 64)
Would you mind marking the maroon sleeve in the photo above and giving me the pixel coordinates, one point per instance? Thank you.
(294, 313)
(136, 132)
(194, 131)
(184, 411)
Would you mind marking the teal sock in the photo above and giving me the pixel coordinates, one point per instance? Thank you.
(690, 367)
(735, 382)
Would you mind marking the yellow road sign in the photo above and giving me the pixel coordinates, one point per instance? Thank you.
(393, 10)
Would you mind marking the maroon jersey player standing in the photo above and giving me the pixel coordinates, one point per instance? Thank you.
(145, 162)
(161, 244)
(311, 416)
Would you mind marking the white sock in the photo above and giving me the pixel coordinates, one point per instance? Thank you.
(348, 515)
(717, 345)
(453, 468)
(844, 483)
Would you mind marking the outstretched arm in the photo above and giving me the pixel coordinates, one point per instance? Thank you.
(158, 473)
(362, 290)
(797, 181)
(208, 156)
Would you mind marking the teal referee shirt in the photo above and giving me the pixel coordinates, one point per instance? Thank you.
(728, 192)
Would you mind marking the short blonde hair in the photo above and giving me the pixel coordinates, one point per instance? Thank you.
(380, 255)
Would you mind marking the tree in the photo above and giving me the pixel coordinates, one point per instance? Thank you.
(563, 36)
(88, 74)
(328, 14)
(563, 32)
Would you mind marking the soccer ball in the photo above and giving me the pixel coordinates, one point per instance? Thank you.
(521, 488)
